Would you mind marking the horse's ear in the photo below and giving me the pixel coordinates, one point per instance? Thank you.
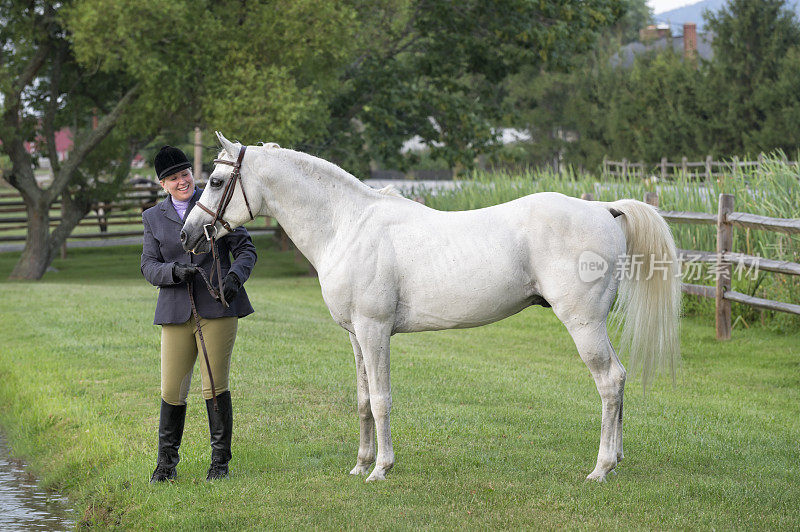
(227, 145)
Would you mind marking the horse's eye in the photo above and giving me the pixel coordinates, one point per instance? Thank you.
(216, 182)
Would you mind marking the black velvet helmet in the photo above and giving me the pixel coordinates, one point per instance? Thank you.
(170, 160)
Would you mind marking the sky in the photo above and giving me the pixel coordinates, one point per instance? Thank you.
(659, 6)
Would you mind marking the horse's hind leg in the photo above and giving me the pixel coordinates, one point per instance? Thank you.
(618, 439)
(366, 446)
(596, 352)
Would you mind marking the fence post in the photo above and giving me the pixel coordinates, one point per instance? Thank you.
(624, 168)
(723, 268)
(663, 168)
(651, 198)
(708, 167)
(605, 164)
(684, 167)
(197, 169)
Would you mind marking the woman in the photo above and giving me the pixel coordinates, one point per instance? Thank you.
(168, 266)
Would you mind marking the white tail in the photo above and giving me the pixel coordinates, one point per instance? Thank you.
(648, 303)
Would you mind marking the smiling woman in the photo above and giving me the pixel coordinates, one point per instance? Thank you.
(179, 185)
(166, 265)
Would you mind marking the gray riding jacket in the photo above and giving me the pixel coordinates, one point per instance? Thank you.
(162, 248)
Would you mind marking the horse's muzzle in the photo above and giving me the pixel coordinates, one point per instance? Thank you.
(194, 245)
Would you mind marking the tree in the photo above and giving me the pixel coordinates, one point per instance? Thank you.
(657, 103)
(47, 85)
(37, 68)
(571, 113)
(752, 37)
(781, 103)
(438, 71)
(352, 81)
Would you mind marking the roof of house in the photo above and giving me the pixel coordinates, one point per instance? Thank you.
(627, 53)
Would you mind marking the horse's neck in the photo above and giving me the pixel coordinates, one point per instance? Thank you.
(312, 200)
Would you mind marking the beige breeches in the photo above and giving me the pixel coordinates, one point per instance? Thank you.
(180, 346)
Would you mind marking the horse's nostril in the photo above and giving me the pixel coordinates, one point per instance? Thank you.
(183, 237)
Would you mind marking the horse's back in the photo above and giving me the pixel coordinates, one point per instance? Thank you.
(468, 268)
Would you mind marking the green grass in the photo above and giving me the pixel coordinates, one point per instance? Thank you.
(494, 427)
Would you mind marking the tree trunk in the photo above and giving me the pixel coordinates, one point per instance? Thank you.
(36, 256)
(41, 244)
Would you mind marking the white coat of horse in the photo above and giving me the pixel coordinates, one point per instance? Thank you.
(388, 265)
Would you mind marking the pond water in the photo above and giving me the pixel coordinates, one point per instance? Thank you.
(24, 505)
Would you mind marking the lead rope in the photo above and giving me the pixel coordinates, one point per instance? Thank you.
(203, 345)
(218, 295)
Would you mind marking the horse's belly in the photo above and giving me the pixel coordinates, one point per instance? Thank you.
(419, 317)
(462, 289)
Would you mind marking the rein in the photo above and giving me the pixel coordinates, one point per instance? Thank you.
(202, 341)
(218, 293)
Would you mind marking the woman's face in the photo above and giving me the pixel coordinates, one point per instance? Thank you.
(179, 185)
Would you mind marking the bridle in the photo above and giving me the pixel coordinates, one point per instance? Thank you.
(227, 195)
(210, 229)
(210, 232)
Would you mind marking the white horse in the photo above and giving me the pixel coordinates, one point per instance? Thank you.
(387, 265)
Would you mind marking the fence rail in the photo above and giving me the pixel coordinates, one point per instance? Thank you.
(125, 211)
(724, 258)
(104, 216)
(708, 168)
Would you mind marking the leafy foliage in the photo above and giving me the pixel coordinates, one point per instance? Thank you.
(752, 38)
(743, 101)
(435, 68)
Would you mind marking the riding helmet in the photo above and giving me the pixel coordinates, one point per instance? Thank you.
(170, 160)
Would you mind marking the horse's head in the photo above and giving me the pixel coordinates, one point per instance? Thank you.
(227, 201)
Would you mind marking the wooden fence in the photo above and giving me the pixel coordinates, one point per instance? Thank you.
(725, 257)
(126, 211)
(706, 169)
(104, 216)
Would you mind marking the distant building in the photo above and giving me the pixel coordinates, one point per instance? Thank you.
(690, 44)
(63, 145)
(653, 32)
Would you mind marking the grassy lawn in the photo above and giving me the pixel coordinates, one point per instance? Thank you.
(494, 427)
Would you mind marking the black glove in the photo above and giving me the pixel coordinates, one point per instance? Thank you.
(182, 272)
(230, 286)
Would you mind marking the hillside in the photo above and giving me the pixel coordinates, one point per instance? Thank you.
(694, 13)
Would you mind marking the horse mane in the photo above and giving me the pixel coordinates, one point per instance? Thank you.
(327, 168)
(390, 190)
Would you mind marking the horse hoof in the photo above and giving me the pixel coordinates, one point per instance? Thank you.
(359, 470)
(597, 476)
(376, 475)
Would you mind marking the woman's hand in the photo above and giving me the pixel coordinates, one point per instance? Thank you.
(183, 272)
(230, 286)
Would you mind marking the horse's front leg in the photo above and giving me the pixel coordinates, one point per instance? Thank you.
(366, 446)
(373, 338)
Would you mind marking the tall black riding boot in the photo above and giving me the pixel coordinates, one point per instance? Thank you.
(220, 424)
(170, 431)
